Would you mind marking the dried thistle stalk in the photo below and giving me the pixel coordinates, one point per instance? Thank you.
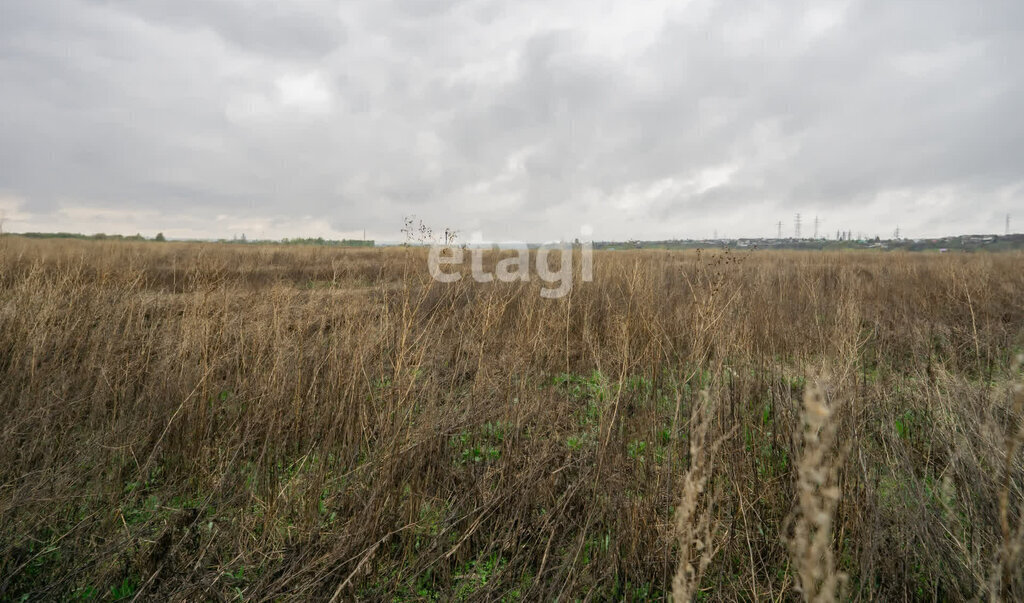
(817, 496)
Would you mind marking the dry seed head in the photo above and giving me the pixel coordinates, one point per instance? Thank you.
(818, 408)
(817, 475)
(948, 487)
(811, 543)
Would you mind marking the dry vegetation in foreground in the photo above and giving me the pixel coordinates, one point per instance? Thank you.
(203, 422)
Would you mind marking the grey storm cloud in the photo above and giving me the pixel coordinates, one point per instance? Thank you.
(524, 120)
(283, 30)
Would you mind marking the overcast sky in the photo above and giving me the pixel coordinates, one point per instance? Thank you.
(522, 120)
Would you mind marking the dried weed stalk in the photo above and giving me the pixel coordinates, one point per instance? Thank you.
(1012, 536)
(817, 497)
(696, 527)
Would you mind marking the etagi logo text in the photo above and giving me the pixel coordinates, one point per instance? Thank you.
(517, 267)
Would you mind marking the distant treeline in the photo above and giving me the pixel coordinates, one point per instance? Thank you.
(953, 243)
(329, 242)
(160, 238)
(93, 237)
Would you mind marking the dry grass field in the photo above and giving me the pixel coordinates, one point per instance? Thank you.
(216, 422)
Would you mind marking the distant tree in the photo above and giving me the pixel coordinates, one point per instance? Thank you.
(159, 237)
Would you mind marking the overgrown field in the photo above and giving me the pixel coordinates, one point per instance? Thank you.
(215, 422)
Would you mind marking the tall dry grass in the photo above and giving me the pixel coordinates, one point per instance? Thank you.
(197, 421)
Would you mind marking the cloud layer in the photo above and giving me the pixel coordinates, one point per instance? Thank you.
(520, 120)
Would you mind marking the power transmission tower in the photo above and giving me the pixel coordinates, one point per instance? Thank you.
(1007, 224)
(779, 225)
(816, 222)
(796, 227)
(896, 235)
